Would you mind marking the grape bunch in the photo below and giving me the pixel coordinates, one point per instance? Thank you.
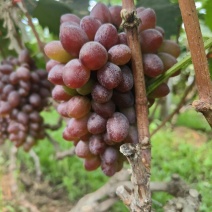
(94, 86)
(24, 92)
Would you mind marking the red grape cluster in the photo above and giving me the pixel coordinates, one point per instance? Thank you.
(24, 92)
(90, 68)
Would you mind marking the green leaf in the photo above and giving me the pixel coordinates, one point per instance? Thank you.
(48, 13)
(168, 15)
(208, 16)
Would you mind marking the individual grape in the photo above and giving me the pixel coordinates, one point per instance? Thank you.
(90, 25)
(82, 150)
(27, 108)
(13, 78)
(153, 65)
(96, 124)
(89, 53)
(35, 116)
(117, 127)
(50, 64)
(127, 80)
(72, 38)
(92, 163)
(109, 75)
(107, 35)
(100, 11)
(151, 40)
(67, 135)
(101, 94)
(109, 169)
(86, 88)
(115, 15)
(123, 100)
(110, 155)
(35, 78)
(75, 74)
(96, 144)
(78, 106)
(61, 109)
(23, 73)
(130, 113)
(55, 51)
(170, 47)
(13, 127)
(132, 136)
(86, 137)
(6, 90)
(69, 17)
(108, 140)
(122, 38)
(55, 75)
(23, 118)
(139, 9)
(161, 30)
(14, 98)
(78, 127)
(148, 19)
(59, 94)
(119, 54)
(6, 68)
(167, 59)
(5, 108)
(105, 110)
(161, 91)
(25, 85)
(35, 100)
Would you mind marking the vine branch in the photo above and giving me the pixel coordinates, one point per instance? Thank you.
(199, 59)
(137, 199)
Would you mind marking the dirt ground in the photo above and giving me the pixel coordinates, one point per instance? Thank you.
(25, 194)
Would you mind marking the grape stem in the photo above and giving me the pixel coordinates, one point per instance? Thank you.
(137, 199)
(199, 59)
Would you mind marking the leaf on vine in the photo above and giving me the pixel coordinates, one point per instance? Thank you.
(208, 15)
(48, 13)
(168, 15)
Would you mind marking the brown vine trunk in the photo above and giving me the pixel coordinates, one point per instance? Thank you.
(137, 199)
(196, 45)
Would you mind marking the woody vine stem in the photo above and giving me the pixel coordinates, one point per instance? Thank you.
(139, 156)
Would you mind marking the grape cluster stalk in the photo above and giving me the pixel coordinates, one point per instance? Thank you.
(24, 93)
(90, 66)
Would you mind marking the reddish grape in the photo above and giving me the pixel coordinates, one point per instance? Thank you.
(89, 53)
(109, 169)
(92, 163)
(161, 91)
(59, 94)
(90, 25)
(75, 75)
(100, 11)
(101, 94)
(127, 80)
(130, 113)
(122, 38)
(14, 98)
(72, 38)
(148, 19)
(153, 65)
(50, 64)
(107, 35)
(105, 110)
(55, 74)
(170, 47)
(69, 17)
(96, 144)
(77, 127)
(119, 54)
(117, 127)
(151, 40)
(123, 100)
(78, 106)
(96, 124)
(82, 150)
(110, 155)
(109, 75)
(115, 15)
(23, 73)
